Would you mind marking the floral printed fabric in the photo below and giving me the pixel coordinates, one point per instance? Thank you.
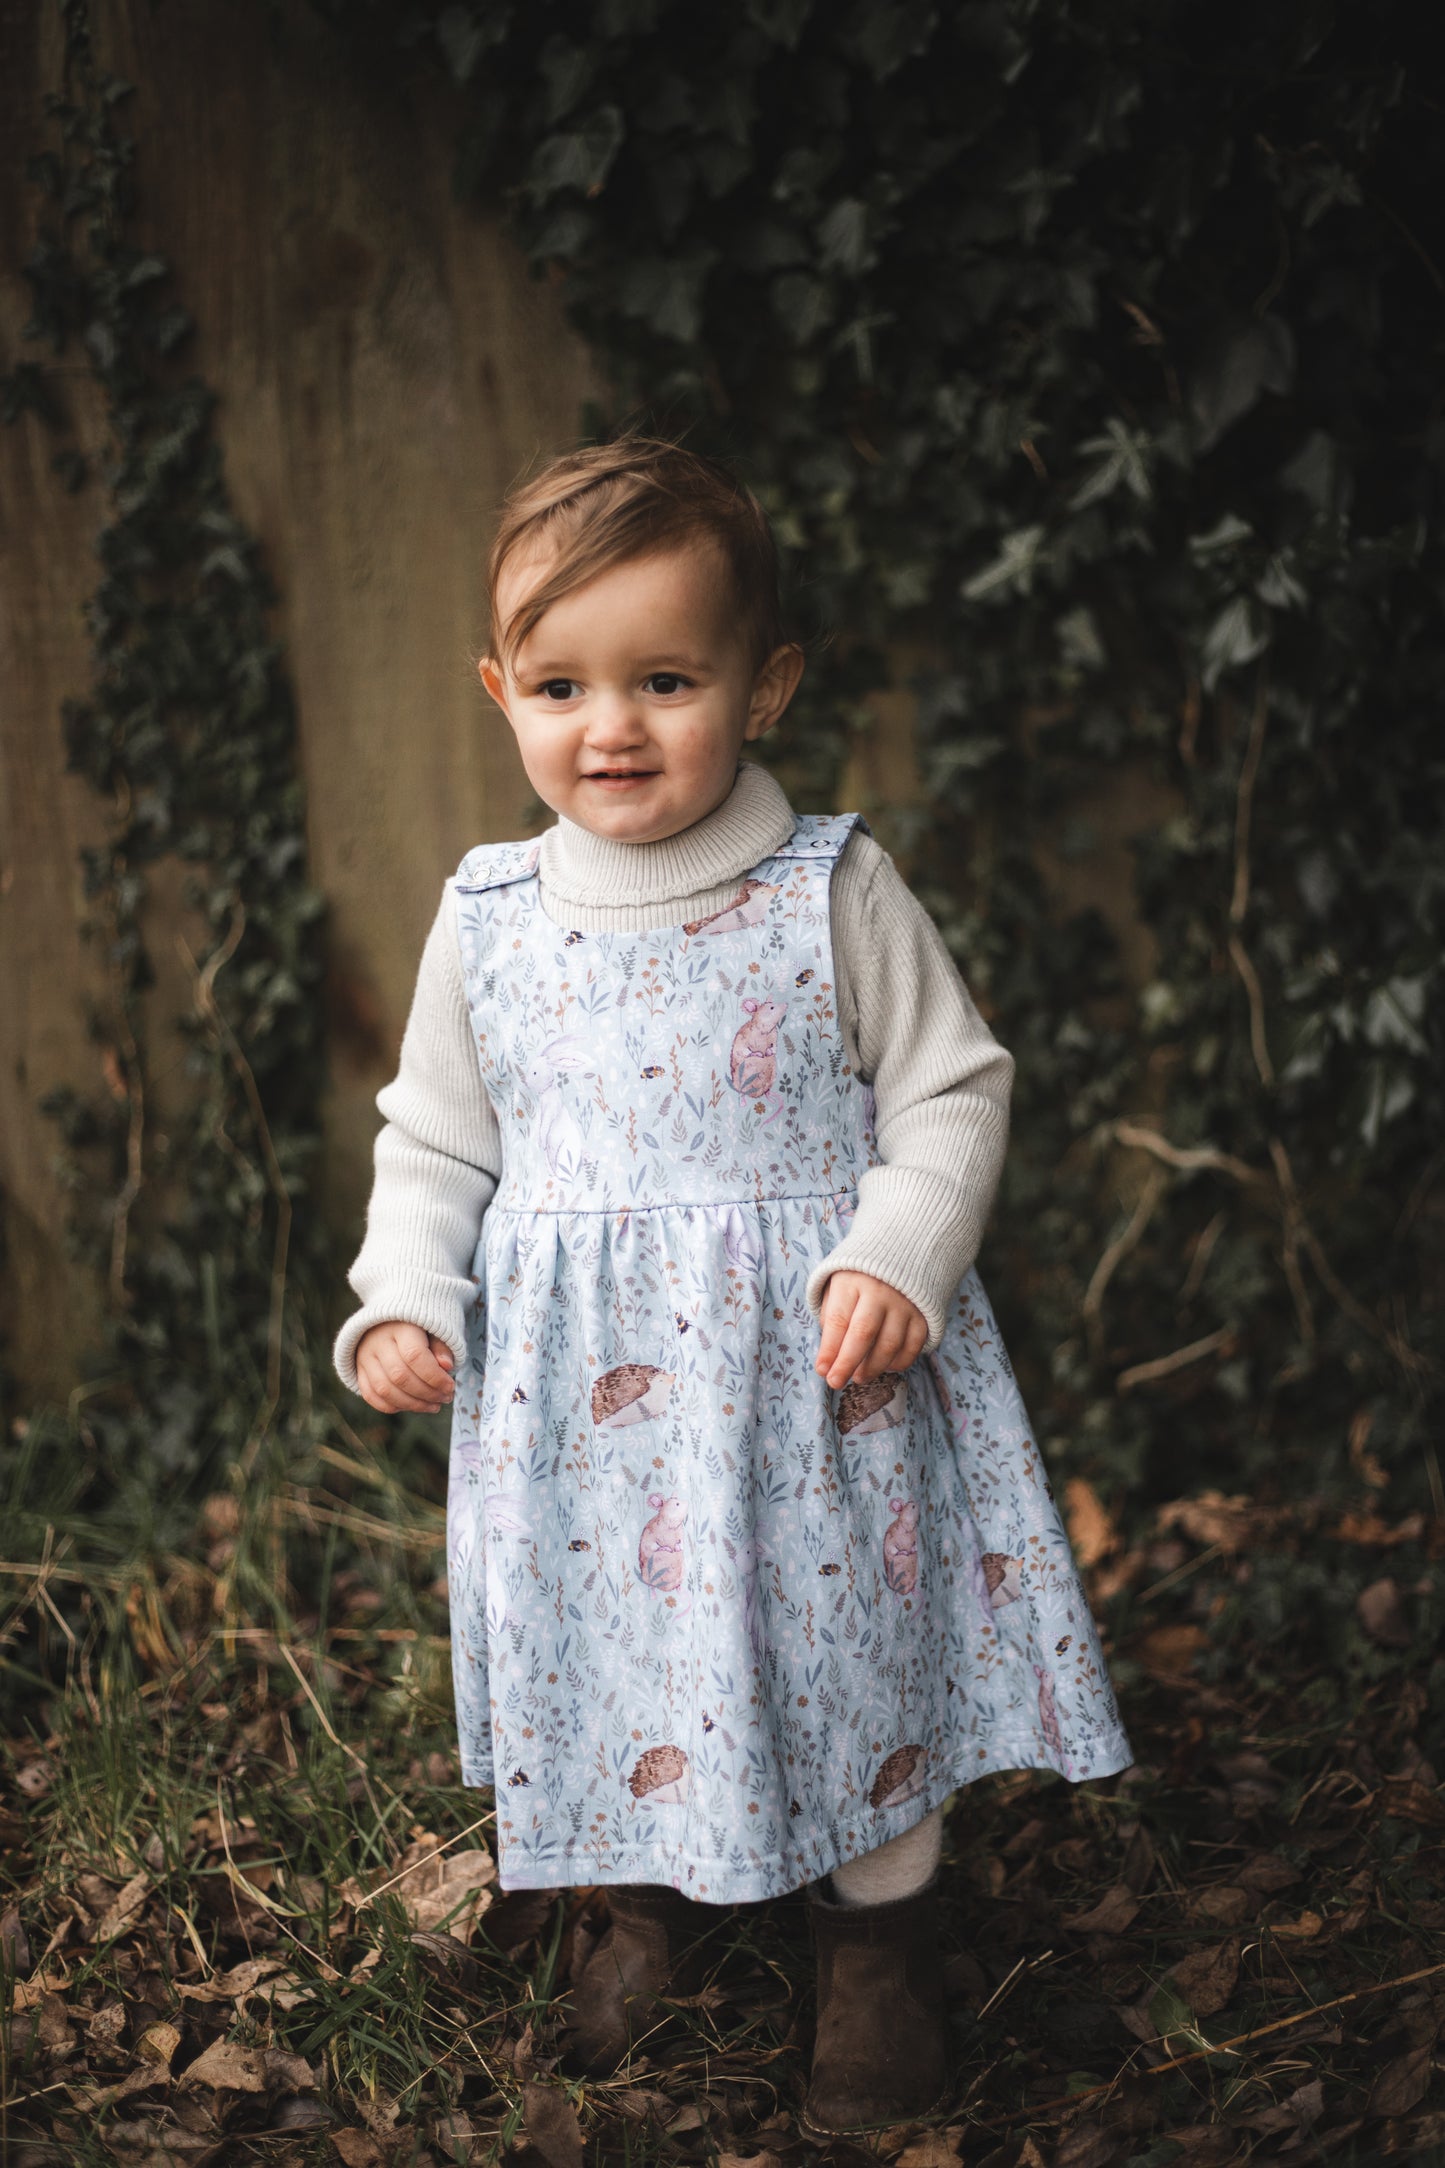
(714, 1625)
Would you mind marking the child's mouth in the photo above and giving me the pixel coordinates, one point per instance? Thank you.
(619, 778)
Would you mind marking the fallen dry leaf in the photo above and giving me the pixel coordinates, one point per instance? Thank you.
(1303, 1929)
(753, 2160)
(119, 1917)
(226, 2067)
(1114, 1912)
(551, 2124)
(1213, 1517)
(1169, 1653)
(1206, 1978)
(936, 2149)
(1410, 1801)
(357, 2150)
(1382, 1614)
(1266, 1872)
(240, 1980)
(1091, 1529)
(1225, 1904)
(157, 2043)
(1087, 2145)
(14, 1943)
(1402, 2084)
(435, 1888)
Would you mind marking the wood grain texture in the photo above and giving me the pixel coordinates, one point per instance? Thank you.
(386, 364)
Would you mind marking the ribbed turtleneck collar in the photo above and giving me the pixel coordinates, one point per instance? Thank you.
(752, 822)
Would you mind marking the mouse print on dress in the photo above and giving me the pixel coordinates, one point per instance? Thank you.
(900, 1547)
(753, 1064)
(660, 1546)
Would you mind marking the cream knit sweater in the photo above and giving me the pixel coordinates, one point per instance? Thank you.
(940, 1080)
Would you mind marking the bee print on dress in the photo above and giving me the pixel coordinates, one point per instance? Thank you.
(659, 1547)
(630, 1393)
(803, 978)
(654, 1069)
(901, 1777)
(661, 1777)
(749, 907)
(881, 1404)
(1004, 1576)
(753, 1064)
(900, 1548)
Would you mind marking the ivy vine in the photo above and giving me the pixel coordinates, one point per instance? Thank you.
(1095, 353)
(188, 734)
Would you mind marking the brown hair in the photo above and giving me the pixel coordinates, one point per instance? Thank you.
(611, 503)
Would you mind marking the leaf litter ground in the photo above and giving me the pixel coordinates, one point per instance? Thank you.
(250, 1915)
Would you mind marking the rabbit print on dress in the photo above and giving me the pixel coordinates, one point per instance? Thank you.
(713, 1625)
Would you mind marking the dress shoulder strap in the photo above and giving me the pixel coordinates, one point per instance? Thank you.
(821, 836)
(497, 865)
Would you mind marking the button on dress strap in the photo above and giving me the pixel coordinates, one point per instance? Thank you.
(820, 836)
(497, 865)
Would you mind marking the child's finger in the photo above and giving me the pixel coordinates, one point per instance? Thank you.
(428, 1373)
(406, 1391)
(838, 1306)
(857, 1342)
(442, 1352)
(886, 1349)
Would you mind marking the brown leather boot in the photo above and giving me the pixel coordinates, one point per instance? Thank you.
(881, 2052)
(650, 1955)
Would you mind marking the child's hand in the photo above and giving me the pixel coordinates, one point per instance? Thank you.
(868, 1327)
(401, 1369)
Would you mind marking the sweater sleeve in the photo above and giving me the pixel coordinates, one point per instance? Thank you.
(941, 1083)
(438, 1158)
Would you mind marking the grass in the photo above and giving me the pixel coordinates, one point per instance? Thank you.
(230, 1790)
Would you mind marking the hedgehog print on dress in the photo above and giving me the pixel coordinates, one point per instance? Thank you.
(731, 1626)
(1004, 1577)
(661, 1777)
(881, 1404)
(630, 1393)
(900, 1778)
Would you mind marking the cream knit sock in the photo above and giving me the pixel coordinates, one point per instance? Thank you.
(896, 1869)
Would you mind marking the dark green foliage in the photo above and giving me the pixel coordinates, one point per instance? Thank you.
(188, 733)
(1099, 349)
(1094, 351)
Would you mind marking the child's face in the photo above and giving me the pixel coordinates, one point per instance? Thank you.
(632, 696)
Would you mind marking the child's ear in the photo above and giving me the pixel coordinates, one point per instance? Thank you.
(490, 672)
(773, 687)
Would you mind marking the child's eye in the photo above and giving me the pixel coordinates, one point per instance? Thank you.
(664, 682)
(558, 689)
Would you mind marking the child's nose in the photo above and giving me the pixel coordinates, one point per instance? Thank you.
(616, 720)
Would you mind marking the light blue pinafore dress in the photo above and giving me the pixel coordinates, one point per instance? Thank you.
(713, 1624)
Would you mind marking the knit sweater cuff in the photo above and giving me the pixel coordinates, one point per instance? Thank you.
(437, 1303)
(913, 1231)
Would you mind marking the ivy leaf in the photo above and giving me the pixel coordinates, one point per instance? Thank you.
(1012, 571)
(1234, 639)
(1121, 460)
(1258, 358)
(581, 158)
(843, 236)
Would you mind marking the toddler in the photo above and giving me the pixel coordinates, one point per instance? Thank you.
(685, 1166)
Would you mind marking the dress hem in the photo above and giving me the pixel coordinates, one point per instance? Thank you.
(712, 1881)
